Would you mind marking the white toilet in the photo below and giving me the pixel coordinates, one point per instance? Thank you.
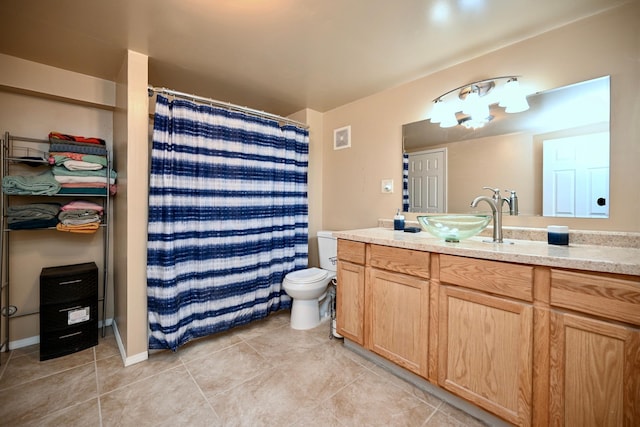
(306, 287)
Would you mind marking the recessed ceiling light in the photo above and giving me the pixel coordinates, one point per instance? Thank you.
(441, 11)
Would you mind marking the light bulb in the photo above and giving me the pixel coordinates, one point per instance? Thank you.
(438, 111)
(449, 120)
(513, 99)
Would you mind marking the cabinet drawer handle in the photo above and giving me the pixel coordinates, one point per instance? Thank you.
(70, 282)
(70, 335)
(62, 310)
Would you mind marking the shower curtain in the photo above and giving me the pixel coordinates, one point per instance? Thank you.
(228, 219)
(405, 182)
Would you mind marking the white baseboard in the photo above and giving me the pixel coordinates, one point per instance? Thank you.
(26, 342)
(128, 360)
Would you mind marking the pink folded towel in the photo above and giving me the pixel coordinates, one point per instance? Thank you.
(82, 204)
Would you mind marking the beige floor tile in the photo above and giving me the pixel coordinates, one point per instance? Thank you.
(322, 372)
(440, 419)
(269, 324)
(406, 386)
(112, 374)
(352, 355)
(273, 398)
(460, 416)
(285, 343)
(204, 347)
(227, 368)
(322, 331)
(84, 414)
(372, 401)
(106, 347)
(4, 358)
(30, 401)
(25, 350)
(316, 417)
(28, 366)
(170, 398)
(262, 374)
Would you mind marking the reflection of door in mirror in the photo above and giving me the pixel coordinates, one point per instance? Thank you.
(427, 183)
(576, 176)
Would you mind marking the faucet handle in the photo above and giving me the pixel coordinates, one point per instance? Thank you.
(496, 192)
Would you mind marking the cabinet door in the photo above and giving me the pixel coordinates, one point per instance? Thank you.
(350, 301)
(485, 351)
(398, 320)
(595, 372)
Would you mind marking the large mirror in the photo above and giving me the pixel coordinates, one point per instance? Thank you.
(555, 156)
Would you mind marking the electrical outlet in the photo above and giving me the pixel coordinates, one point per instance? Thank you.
(387, 186)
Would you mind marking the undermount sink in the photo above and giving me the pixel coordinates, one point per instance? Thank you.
(454, 227)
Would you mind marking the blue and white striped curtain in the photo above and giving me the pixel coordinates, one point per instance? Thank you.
(405, 182)
(228, 219)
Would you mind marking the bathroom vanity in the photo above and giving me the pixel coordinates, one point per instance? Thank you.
(534, 333)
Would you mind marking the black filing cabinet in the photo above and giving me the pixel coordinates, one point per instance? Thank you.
(68, 309)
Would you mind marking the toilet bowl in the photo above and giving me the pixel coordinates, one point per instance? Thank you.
(307, 287)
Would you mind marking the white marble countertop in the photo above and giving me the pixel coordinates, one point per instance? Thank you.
(606, 259)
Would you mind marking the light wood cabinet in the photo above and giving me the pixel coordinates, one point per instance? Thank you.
(485, 351)
(350, 290)
(397, 306)
(595, 353)
(594, 372)
(398, 318)
(533, 345)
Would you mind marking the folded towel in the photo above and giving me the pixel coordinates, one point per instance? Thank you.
(33, 211)
(82, 205)
(33, 224)
(79, 165)
(58, 158)
(63, 179)
(75, 138)
(62, 171)
(43, 184)
(34, 215)
(87, 188)
(77, 147)
(79, 217)
(84, 228)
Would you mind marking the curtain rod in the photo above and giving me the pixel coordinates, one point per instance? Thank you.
(226, 105)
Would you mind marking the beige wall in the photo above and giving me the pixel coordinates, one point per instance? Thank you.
(130, 206)
(463, 155)
(314, 178)
(36, 99)
(606, 44)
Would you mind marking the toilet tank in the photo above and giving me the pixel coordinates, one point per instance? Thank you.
(327, 250)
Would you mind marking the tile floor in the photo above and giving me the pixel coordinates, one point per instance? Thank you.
(263, 374)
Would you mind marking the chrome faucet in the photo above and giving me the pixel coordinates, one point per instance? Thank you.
(512, 201)
(495, 202)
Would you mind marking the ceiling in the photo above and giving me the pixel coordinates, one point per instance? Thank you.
(278, 56)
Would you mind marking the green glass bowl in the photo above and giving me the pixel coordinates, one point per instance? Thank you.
(454, 227)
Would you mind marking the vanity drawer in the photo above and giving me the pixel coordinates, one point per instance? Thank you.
(351, 251)
(616, 298)
(500, 278)
(407, 261)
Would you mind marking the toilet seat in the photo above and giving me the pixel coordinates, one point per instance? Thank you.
(308, 275)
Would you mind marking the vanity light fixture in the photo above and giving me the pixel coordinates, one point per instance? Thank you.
(469, 105)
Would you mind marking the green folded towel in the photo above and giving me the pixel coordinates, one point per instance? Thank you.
(43, 184)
